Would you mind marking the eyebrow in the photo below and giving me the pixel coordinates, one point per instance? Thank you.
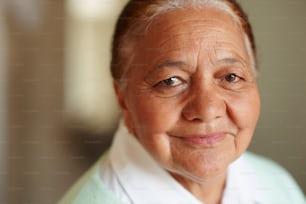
(231, 61)
(172, 64)
(168, 64)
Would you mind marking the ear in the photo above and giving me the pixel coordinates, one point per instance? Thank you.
(121, 94)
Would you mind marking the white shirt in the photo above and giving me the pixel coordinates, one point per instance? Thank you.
(134, 177)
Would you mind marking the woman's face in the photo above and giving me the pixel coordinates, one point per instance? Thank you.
(191, 97)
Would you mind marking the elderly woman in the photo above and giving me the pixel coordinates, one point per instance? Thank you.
(185, 77)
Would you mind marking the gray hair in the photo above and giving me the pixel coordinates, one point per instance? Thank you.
(138, 15)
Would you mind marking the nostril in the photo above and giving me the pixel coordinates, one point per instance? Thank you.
(191, 114)
(197, 120)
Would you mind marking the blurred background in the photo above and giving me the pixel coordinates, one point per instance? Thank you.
(57, 107)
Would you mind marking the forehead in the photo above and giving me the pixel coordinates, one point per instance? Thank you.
(189, 30)
(188, 14)
(190, 21)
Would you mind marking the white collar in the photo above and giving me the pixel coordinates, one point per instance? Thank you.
(146, 182)
(241, 182)
(245, 182)
(141, 177)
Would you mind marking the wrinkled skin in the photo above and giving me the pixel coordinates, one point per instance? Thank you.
(191, 97)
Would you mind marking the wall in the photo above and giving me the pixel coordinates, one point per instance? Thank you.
(3, 105)
(46, 153)
(280, 30)
(37, 156)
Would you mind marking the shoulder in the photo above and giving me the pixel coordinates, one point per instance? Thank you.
(272, 179)
(266, 167)
(90, 189)
(262, 164)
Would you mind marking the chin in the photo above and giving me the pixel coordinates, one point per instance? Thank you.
(203, 167)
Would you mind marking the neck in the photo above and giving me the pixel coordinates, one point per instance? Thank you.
(209, 191)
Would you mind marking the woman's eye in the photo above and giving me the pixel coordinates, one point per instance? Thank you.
(171, 86)
(232, 78)
(170, 82)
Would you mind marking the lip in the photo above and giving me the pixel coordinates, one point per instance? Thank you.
(205, 140)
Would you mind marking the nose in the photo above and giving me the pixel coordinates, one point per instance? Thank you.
(205, 103)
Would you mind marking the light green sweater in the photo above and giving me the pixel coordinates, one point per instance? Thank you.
(280, 187)
(89, 189)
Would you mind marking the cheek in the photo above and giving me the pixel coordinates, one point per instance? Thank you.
(153, 115)
(244, 112)
(244, 109)
(152, 118)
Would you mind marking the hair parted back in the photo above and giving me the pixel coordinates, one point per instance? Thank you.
(137, 16)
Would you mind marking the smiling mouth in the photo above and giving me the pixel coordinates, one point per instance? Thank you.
(203, 140)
